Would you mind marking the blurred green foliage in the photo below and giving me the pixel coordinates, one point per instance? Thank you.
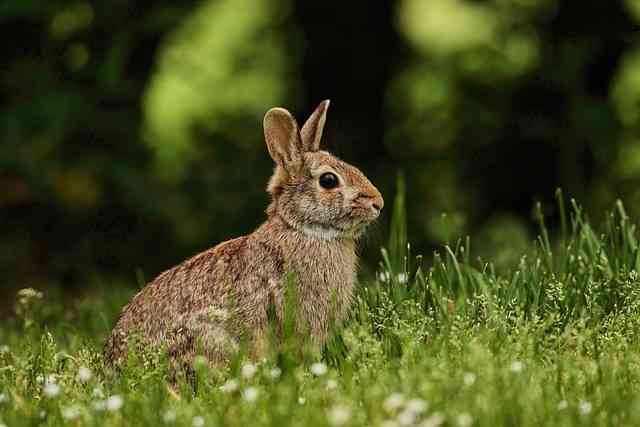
(131, 133)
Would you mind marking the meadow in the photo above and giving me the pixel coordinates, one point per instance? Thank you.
(440, 340)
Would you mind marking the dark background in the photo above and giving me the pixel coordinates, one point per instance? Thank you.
(131, 131)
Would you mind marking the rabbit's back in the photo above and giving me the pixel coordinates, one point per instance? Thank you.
(206, 301)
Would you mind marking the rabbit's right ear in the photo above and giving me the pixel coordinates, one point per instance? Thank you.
(283, 138)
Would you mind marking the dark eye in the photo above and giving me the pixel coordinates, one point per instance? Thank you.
(328, 180)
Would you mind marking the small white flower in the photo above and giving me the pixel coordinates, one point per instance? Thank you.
(97, 393)
(402, 278)
(39, 379)
(249, 370)
(250, 394)
(302, 400)
(585, 407)
(230, 386)
(416, 406)
(4, 349)
(319, 369)
(516, 366)
(435, 420)
(464, 420)
(275, 373)
(51, 389)
(197, 421)
(100, 405)
(469, 378)
(393, 402)
(407, 418)
(84, 374)
(3, 398)
(114, 403)
(332, 384)
(43, 414)
(339, 415)
(563, 404)
(169, 417)
(384, 276)
(70, 412)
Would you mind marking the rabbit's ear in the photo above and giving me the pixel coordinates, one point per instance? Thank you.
(312, 130)
(283, 138)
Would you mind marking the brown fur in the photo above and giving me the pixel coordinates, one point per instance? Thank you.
(211, 299)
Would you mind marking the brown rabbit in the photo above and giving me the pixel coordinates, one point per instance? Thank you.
(319, 207)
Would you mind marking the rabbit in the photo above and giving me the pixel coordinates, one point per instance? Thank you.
(319, 207)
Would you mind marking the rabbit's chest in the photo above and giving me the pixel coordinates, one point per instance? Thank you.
(326, 277)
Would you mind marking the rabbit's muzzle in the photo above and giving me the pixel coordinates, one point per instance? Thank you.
(368, 205)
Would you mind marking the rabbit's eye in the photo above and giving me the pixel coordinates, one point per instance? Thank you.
(328, 180)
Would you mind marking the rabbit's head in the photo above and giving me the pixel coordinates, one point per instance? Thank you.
(311, 190)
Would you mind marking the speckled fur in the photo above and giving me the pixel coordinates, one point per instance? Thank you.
(207, 302)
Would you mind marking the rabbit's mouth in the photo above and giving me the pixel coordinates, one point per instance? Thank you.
(363, 215)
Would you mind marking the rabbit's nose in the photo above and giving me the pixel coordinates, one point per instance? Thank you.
(374, 200)
(377, 202)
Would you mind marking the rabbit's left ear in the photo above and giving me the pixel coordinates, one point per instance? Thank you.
(311, 132)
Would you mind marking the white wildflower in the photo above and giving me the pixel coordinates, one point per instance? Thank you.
(169, 417)
(4, 349)
(563, 404)
(435, 420)
(70, 412)
(114, 403)
(464, 420)
(402, 278)
(249, 370)
(51, 389)
(417, 406)
(319, 369)
(407, 418)
(384, 276)
(332, 384)
(39, 379)
(197, 421)
(585, 407)
(275, 373)
(516, 366)
(339, 415)
(393, 402)
(4, 397)
(84, 374)
(230, 386)
(250, 394)
(469, 378)
(301, 400)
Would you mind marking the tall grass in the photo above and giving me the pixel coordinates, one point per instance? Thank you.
(438, 340)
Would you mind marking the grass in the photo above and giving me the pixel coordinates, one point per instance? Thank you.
(554, 341)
